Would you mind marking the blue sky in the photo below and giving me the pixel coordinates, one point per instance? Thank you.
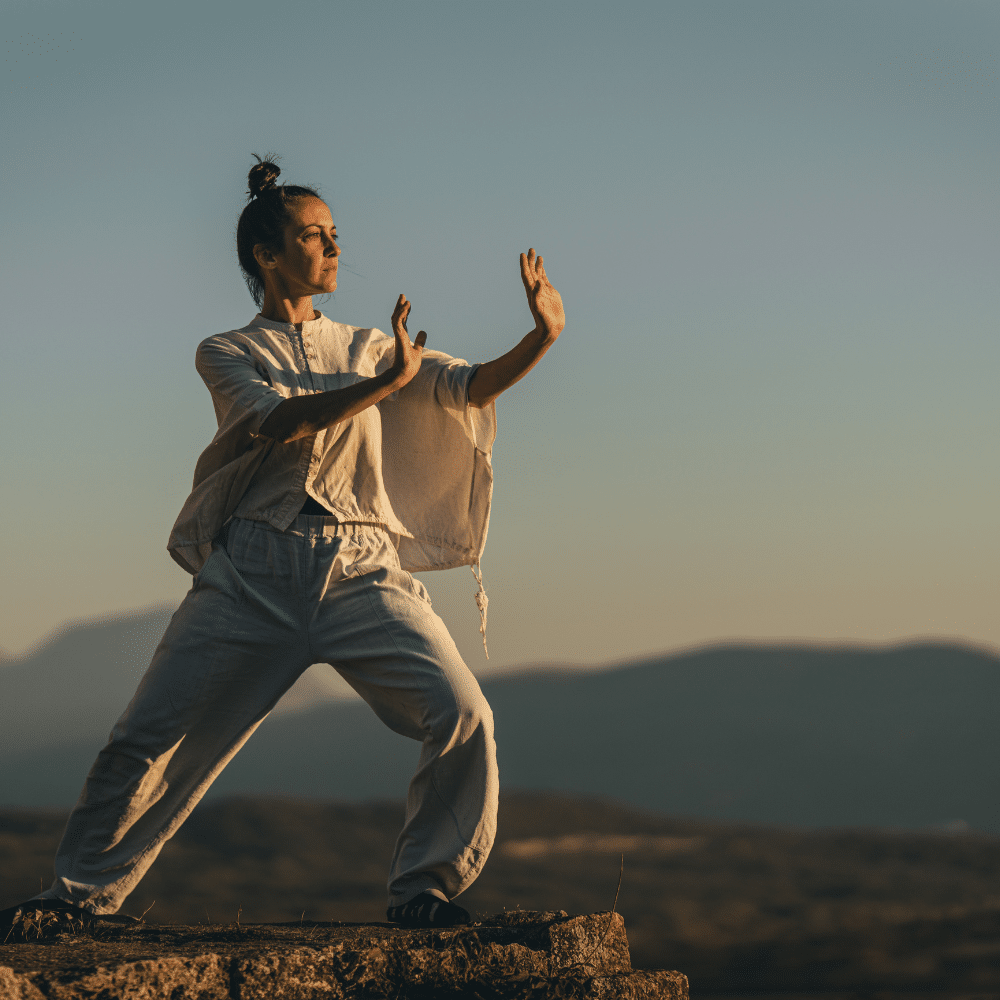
(773, 412)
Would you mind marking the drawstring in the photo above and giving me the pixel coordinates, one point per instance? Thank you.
(481, 602)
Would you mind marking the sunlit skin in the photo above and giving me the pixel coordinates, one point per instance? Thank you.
(307, 266)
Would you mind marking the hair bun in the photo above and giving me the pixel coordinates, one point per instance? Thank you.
(262, 176)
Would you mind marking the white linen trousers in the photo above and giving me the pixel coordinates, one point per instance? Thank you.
(267, 605)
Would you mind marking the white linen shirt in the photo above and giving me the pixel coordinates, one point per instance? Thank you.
(417, 464)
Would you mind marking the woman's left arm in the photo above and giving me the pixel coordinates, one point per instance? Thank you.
(493, 377)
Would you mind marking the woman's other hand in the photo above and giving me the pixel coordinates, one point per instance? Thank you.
(406, 364)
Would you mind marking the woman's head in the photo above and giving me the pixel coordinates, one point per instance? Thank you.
(274, 215)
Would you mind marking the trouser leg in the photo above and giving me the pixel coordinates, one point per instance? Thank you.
(233, 648)
(379, 631)
(222, 665)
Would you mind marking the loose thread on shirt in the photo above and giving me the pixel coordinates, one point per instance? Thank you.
(482, 601)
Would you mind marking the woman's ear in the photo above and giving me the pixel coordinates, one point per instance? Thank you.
(263, 256)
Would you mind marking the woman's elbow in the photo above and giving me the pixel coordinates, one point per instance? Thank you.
(278, 431)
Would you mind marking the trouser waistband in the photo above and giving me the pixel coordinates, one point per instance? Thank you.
(309, 525)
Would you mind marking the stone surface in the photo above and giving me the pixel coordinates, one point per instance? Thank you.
(514, 955)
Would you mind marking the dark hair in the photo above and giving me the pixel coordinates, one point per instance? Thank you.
(263, 220)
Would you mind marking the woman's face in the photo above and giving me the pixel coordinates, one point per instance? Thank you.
(308, 263)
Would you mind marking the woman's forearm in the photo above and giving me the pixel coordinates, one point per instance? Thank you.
(493, 377)
(300, 416)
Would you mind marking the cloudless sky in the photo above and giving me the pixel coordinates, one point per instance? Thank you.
(773, 412)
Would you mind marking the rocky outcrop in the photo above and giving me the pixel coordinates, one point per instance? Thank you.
(514, 955)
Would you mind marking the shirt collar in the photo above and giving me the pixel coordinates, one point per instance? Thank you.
(309, 326)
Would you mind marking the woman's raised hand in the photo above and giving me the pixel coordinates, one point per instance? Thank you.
(544, 301)
(407, 361)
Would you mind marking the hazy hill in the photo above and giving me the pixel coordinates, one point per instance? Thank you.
(904, 736)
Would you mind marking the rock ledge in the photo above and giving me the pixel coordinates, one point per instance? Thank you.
(514, 955)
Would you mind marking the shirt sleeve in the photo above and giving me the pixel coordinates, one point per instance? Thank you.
(242, 395)
(445, 380)
(436, 465)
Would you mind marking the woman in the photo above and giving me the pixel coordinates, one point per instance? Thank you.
(344, 460)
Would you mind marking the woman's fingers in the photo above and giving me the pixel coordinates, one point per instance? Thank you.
(532, 284)
(530, 273)
(406, 362)
(543, 300)
(399, 314)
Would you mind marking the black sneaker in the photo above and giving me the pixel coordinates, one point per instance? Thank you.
(426, 910)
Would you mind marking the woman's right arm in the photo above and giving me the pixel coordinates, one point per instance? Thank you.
(300, 416)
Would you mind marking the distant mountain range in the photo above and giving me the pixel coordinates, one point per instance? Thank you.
(905, 736)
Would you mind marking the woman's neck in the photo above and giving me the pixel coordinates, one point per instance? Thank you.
(296, 311)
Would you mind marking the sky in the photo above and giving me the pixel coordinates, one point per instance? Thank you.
(772, 414)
